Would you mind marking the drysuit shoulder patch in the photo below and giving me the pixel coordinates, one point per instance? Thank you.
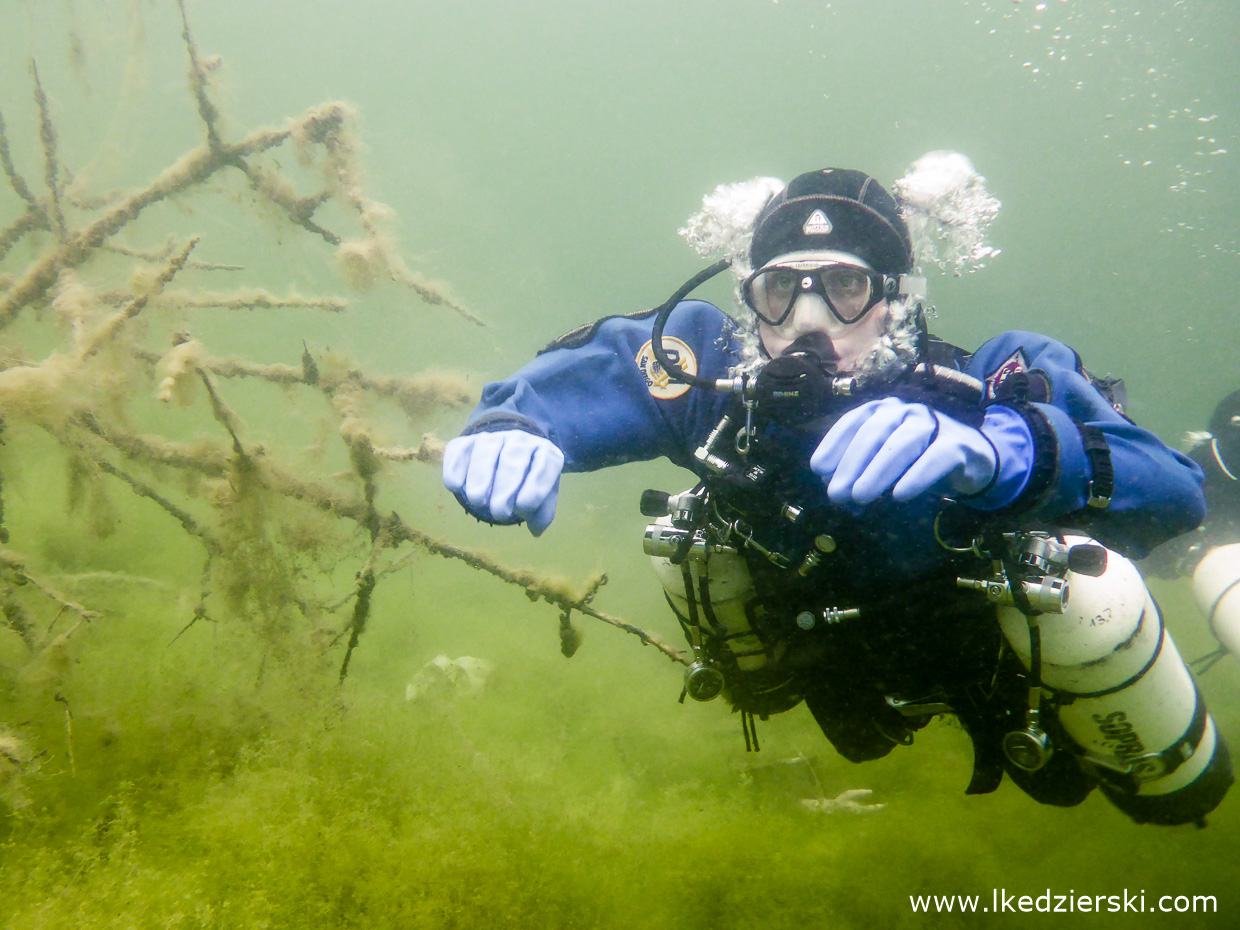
(1015, 363)
(658, 382)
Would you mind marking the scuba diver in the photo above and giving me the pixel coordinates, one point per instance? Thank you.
(884, 526)
(1210, 554)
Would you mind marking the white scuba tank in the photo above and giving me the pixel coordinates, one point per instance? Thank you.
(1216, 586)
(1123, 693)
(728, 587)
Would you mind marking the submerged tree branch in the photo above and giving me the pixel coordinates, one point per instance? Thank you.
(275, 530)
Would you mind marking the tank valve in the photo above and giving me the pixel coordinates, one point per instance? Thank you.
(1046, 595)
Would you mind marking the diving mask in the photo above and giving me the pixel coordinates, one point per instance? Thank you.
(848, 285)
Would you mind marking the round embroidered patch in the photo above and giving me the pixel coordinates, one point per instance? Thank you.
(657, 380)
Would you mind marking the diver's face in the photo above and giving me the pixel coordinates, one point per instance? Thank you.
(852, 341)
(829, 293)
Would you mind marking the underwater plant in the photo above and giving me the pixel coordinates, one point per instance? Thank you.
(97, 355)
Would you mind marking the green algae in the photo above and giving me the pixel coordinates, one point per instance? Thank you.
(566, 794)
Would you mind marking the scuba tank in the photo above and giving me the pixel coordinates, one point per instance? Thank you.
(1216, 587)
(1121, 692)
(708, 585)
(709, 592)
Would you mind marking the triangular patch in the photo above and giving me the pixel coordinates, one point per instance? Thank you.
(1015, 363)
(817, 224)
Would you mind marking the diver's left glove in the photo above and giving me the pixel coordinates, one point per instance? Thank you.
(911, 449)
(505, 476)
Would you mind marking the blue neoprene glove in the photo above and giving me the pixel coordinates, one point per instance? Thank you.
(505, 476)
(911, 449)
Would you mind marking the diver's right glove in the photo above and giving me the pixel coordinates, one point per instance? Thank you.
(505, 476)
(907, 449)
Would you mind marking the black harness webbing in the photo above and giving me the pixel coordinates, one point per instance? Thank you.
(1102, 472)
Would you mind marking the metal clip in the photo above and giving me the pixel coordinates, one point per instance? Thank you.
(1098, 501)
(746, 536)
(919, 707)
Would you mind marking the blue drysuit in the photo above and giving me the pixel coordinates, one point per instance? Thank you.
(589, 395)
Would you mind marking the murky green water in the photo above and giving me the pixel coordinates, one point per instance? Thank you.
(538, 158)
